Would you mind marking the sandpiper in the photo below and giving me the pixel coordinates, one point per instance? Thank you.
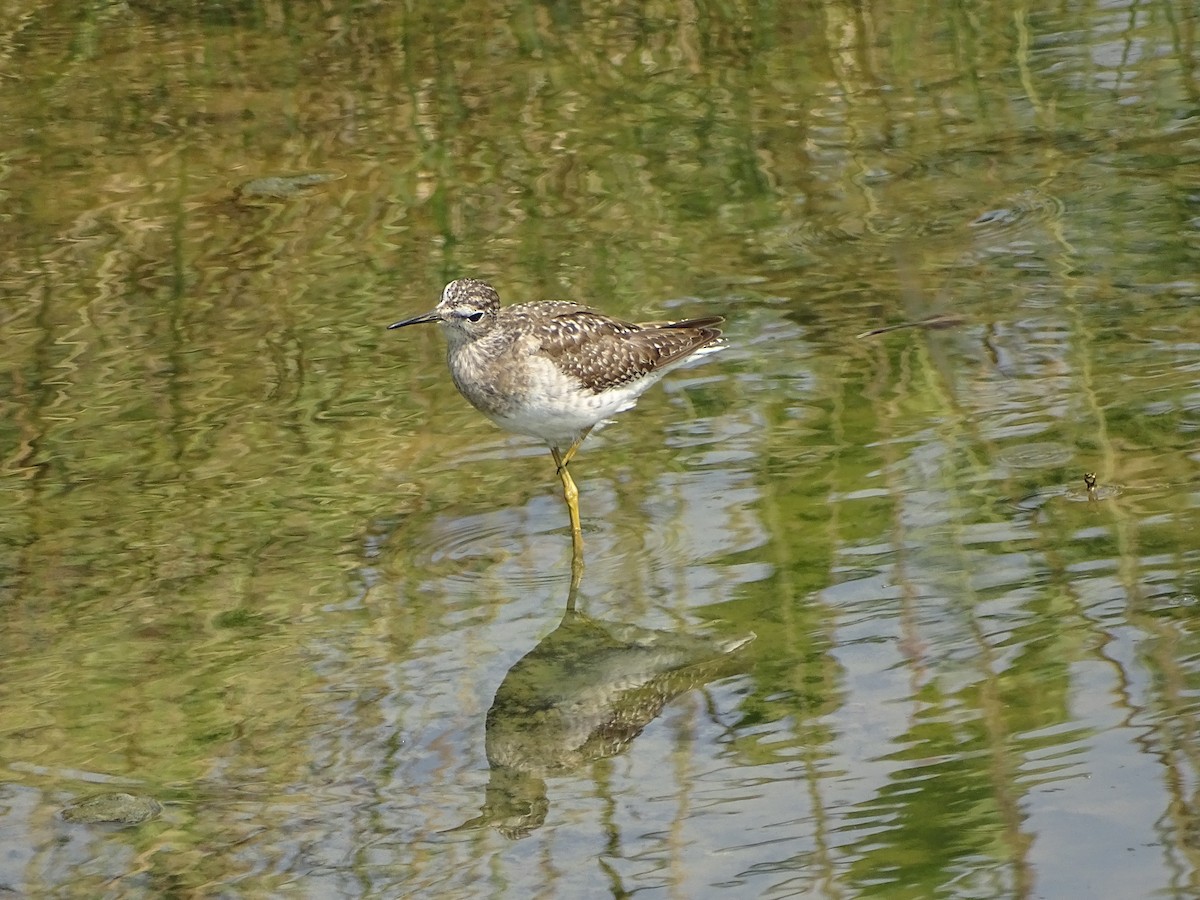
(554, 369)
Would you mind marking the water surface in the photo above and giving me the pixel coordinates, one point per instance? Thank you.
(259, 562)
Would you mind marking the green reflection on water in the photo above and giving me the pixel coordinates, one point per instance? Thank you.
(245, 533)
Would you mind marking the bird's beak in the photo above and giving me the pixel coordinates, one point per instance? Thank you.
(417, 320)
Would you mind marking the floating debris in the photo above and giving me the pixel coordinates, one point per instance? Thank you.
(281, 187)
(933, 323)
(117, 808)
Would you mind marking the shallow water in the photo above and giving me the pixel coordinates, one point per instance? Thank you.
(260, 563)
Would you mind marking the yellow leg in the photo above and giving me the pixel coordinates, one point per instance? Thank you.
(576, 573)
(572, 450)
(571, 495)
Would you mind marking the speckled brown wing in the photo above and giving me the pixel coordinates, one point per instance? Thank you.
(603, 352)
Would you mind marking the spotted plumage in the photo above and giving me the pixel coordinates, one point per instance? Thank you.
(554, 369)
(606, 353)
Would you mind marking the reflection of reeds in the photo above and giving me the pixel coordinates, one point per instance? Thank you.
(200, 412)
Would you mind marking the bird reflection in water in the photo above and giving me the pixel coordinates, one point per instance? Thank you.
(583, 694)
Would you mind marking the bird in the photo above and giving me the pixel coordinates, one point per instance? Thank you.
(585, 693)
(554, 369)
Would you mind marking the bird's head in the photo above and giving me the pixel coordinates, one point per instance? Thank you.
(467, 309)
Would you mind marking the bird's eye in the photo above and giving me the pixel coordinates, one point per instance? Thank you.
(475, 317)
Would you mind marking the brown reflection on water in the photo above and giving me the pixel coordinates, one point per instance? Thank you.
(259, 561)
(583, 694)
